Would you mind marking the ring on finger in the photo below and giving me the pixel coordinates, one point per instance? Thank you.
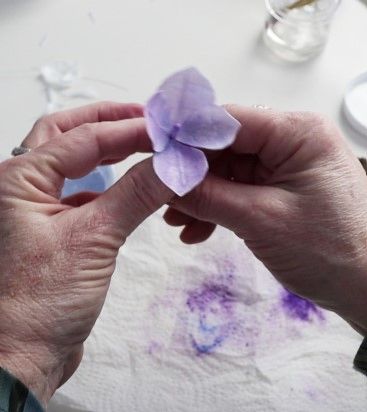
(20, 150)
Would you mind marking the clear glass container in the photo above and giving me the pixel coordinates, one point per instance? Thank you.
(298, 30)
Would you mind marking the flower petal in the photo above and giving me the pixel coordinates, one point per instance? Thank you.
(210, 128)
(157, 116)
(180, 167)
(186, 92)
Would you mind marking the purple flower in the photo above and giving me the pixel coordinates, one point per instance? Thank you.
(181, 118)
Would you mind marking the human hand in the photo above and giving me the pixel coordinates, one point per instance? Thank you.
(57, 257)
(292, 190)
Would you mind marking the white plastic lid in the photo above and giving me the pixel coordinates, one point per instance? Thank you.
(355, 104)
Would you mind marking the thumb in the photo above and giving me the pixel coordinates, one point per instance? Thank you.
(137, 195)
(235, 206)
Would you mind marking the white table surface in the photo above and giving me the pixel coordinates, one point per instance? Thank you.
(136, 43)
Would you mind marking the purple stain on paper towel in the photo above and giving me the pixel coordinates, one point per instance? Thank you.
(208, 318)
(154, 347)
(298, 308)
(203, 298)
(212, 309)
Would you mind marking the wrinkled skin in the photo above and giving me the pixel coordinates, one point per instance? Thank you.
(57, 258)
(289, 187)
(292, 190)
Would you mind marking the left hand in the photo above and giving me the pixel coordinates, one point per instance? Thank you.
(57, 257)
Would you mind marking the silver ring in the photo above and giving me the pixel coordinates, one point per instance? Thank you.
(20, 150)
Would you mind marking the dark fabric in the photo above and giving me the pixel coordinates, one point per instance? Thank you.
(363, 163)
(360, 361)
(18, 397)
(15, 397)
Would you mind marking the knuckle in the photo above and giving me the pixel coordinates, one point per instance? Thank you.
(201, 201)
(44, 127)
(310, 126)
(325, 126)
(292, 121)
(325, 133)
(272, 123)
(141, 190)
(86, 129)
(315, 117)
(106, 104)
(45, 122)
(306, 121)
(318, 122)
(88, 134)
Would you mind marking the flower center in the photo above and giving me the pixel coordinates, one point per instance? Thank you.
(175, 129)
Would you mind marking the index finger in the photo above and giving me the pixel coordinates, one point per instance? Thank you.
(55, 124)
(81, 150)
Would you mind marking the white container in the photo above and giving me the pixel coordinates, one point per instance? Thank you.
(355, 104)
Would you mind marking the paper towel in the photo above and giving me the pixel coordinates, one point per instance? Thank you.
(206, 328)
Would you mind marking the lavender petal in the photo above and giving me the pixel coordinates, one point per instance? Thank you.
(180, 167)
(210, 128)
(186, 92)
(157, 117)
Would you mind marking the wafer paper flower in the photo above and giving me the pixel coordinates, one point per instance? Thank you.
(182, 118)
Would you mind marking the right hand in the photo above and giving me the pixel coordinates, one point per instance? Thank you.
(292, 190)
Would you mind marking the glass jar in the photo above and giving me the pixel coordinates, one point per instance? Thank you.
(298, 30)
